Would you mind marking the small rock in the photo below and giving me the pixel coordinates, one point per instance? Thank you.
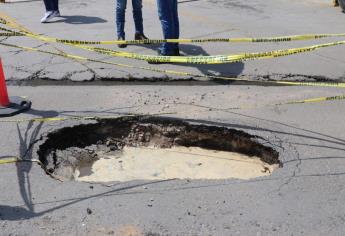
(89, 211)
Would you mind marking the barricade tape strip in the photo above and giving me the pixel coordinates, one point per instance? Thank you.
(98, 118)
(240, 57)
(9, 21)
(314, 100)
(209, 40)
(8, 34)
(220, 59)
(180, 73)
(288, 38)
(75, 57)
(10, 160)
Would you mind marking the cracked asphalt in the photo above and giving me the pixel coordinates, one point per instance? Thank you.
(304, 197)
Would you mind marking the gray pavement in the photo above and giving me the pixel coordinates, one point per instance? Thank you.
(94, 20)
(305, 197)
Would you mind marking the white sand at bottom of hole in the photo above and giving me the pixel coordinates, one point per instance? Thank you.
(148, 163)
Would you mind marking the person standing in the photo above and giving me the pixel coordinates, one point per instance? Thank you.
(138, 20)
(168, 15)
(52, 10)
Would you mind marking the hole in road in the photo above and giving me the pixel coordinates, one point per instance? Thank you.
(149, 148)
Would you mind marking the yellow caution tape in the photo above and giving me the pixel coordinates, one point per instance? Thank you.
(197, 60)
(319, 99)
(9, 34)
(75, 57)
(97, 118)
(288, 38)
(220, 59)
(203, 59)
(8, 160)
(211, 40)
(9, 21)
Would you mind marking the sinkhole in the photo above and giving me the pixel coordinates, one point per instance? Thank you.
(152, 148)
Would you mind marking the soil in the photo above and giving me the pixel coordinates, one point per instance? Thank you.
(74, 153)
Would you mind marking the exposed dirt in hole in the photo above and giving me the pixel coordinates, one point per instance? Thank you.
(130, 148)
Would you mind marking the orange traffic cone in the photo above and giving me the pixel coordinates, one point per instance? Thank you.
(4, 101)
(13, 105)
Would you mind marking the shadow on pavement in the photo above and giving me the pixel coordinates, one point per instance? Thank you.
(26, 140)
(80, 20)
(19, 213)
(226, 70)
(15, 213)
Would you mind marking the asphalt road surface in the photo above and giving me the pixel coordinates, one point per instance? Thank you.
(304, 197)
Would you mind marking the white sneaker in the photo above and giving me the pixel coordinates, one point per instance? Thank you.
(50, 15)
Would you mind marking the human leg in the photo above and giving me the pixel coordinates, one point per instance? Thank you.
(165, 13)
(49, 5)
(56, 5)
(120, 18)
(138, 16)
(176, 26)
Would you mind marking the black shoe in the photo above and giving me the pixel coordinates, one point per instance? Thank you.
(139, 36)
(177, 52)
(121, 45)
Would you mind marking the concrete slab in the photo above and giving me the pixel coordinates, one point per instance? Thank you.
(94, 20)
(302, 198)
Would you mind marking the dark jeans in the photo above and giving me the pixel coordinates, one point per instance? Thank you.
(168, 15)
(51, 5)
(137, 15)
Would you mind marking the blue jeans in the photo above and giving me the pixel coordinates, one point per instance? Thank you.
(51, 5)
(137, 15)
(168, 15)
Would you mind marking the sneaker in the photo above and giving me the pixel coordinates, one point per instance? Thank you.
(140, 36)
(57, 13)
(50, 15)
(121, 45)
